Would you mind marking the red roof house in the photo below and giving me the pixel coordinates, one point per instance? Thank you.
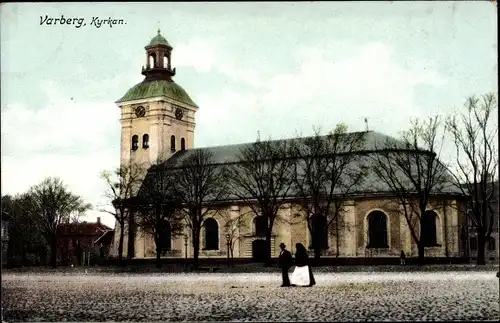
(83, 242)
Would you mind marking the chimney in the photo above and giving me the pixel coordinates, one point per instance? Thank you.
(98, 220)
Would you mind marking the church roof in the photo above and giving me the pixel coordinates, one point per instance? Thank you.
(150, 89)
(229, 153)
(373, 142)
(158, 40)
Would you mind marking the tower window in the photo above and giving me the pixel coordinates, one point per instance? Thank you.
(183, 144)
(135, 142)
(145, 141)
(152, 60)
(172, 143)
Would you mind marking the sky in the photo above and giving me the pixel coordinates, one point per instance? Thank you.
(277, 69)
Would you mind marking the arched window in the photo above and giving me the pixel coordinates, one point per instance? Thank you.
(183, 144)
(377, 230)
(428, 230)
(166, 239)
(260, 226)
(172, 143)
(319, 232)
(211, 234)
(152, 60)
(145, 141)
(135, 142)
(165, 61)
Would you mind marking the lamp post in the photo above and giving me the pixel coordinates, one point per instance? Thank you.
(228, 237)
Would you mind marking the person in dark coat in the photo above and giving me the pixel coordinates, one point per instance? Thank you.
(302, 259)
(403, 258)
(285, 262)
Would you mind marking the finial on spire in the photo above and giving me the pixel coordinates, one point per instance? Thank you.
(158, 31)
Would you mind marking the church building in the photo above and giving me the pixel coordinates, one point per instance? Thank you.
(158, 120)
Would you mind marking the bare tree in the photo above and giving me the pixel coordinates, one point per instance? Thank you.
(159, 208)
(328, 169)
(262, 178)
(234, 228)
(412, 172)
(121, 185)
(474, 134)
(200, 184)
(51, 205)
(337, 229)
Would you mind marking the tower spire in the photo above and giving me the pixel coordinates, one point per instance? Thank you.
(158, 59)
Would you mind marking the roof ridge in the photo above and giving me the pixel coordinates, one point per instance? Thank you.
(275, 140)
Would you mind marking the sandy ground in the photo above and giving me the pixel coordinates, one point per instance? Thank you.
(250, 297)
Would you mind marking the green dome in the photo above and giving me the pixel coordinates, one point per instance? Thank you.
(151, 89)
(158, 40)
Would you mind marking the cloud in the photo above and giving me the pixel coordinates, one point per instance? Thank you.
(206, 56)
(320, 91)
(367, 81)
(64, 124)
(199, 54)
(70, 139)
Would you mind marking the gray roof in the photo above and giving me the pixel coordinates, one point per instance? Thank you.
(373, 142)
(229, 153)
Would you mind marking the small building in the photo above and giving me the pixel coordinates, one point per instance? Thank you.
(83, 243)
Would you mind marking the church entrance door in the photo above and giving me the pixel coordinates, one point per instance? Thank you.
(259, 250)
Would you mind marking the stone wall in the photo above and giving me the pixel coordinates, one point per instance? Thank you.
(348, 235)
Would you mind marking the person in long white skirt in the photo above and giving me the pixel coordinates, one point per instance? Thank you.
(302, 274)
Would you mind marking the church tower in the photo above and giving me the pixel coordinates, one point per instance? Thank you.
(157, 120)
(157, 115)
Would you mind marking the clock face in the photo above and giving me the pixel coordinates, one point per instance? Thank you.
(140, 111)
(178, 113)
